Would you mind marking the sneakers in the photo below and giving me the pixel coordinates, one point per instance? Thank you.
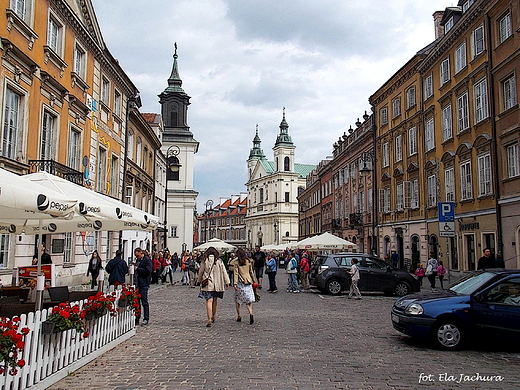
(296, 291)
(274, 291)
(145, 322)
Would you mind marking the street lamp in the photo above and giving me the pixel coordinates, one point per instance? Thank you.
(172, 173)
(209, 208)
(366, 157)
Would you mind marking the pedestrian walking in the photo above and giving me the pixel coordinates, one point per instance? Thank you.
(117, 269)
(185, 265)
(94, 267)
(156, 268)
(144, 275)
(259, 263)
(167, 268)
(431, 269)
(354, 272)
(305, 266)
(292, 280)
(244, 278)
(231, 268)
(175, 262)
(441, 271)
(420, 272)
(193, 269)
(213, 280)
(270, 270)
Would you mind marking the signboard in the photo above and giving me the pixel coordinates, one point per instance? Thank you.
(446, 219)
(27, 275)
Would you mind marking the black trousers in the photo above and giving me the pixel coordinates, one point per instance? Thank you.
(272, 281)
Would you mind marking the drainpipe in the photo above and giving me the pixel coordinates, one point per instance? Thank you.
(494, 146)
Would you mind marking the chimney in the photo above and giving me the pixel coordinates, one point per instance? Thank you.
(437, 17)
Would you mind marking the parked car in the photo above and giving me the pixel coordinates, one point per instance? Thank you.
(329, 273)
(485, 303)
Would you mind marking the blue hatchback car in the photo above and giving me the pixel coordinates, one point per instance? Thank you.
(485, 303)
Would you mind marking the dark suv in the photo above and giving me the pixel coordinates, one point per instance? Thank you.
(330, 274)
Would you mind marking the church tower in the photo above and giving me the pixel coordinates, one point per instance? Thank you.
(255, 154)
(284, 149)
(179, 148)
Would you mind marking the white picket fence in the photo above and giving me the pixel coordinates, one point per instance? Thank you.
(50, 358)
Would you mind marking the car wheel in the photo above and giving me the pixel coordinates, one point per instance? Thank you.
(448, 335)
(334, 286)
(402, 289)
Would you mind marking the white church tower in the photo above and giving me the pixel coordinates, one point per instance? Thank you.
(179, 148)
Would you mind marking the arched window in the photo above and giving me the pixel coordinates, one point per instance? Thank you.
(286, 164)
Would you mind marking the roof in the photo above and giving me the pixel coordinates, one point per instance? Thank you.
(302, 170)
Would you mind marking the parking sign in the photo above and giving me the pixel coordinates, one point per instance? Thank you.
(446, 219)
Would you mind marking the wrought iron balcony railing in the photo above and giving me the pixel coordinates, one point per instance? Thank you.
(57, 169)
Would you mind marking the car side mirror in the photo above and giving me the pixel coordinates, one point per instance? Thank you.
(388, 268)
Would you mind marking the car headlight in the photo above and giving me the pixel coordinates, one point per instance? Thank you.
(414, 309)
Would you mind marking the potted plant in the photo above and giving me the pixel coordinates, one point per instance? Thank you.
(11, 345)
(98, 305)
(129, 296)
(64, 317)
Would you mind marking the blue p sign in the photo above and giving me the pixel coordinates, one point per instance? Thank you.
(446, 212)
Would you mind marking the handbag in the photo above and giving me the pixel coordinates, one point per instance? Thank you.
(204, 282)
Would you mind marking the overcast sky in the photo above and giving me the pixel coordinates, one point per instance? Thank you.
(242, 61)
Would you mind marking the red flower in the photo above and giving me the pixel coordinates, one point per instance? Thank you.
(86, 334)
(21, 363)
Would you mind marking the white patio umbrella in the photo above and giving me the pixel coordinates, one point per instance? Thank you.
(325, 241)
(21, 199)
(219, 245)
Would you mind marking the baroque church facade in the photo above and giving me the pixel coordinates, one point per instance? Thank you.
(272, 191)
(179, 148)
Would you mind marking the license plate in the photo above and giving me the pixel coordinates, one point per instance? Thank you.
(395, 318)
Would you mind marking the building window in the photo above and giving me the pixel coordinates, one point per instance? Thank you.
(505, 27)
(261, 192)
(429, 135)
(105, 91)
(466, 191)
(460, 58)
(287, 199)
(513, 161)
(386, 155)
(399, 197)
(398, 148)
(481, 102)
(117, 103)
(47, 136)
(139, 150)
(384, 115)
(55, 35)
(173, 231)
(130, 150)
(428, 86)
(129, 195)
(448, 25)
(414, 194)
(286, 164)
(509, 88)
(484, 175)
(4, 250)
(114, 176)
(102, 170)
(22, 8)
(68, 248)
(396, 107)
(410, 97)
(447, 132)
(384, 200)
(478, 40)
(467, 4)
(445, 71)
(432, 191)
(80, 59)
(73, 159)
(13, 120)
(449, 184)
(462, 112)
(412, 140)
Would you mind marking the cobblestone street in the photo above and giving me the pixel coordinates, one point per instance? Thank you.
(298, 341)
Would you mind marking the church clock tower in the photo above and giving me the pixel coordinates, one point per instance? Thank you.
(179, 148)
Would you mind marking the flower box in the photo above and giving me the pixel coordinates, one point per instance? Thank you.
(49, 327)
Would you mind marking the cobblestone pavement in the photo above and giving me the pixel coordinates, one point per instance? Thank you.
(298, 341)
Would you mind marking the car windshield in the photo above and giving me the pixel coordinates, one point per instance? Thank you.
(471, 283)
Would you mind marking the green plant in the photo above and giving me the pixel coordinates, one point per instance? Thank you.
(11, 344)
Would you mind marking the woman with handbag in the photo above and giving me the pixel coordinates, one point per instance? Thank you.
(213, 280)
(244, 277)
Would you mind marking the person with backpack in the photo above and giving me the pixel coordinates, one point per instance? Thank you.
(431, 269)
(291, 270)
(117, 269)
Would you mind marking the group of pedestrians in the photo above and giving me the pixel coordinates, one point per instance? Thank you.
(434, 269)
(164, 265)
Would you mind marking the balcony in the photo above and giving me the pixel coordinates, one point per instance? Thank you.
(56, 169)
